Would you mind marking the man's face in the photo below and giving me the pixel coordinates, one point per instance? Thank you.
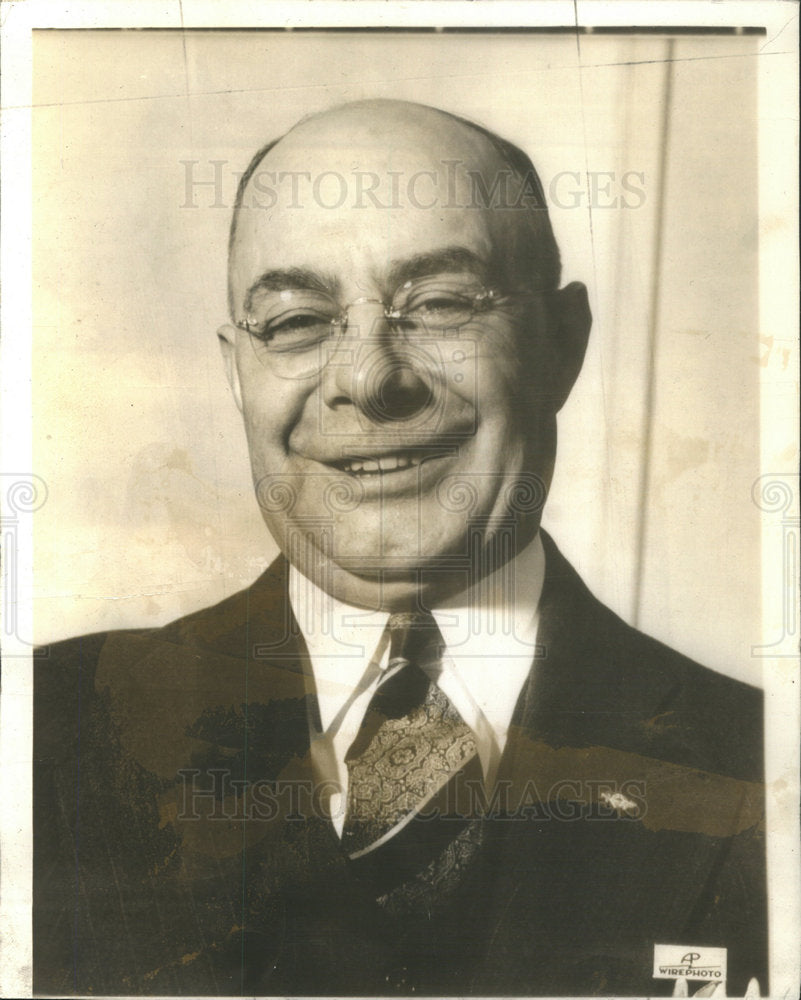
(376, 452)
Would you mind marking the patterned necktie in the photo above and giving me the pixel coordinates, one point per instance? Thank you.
(412, 742)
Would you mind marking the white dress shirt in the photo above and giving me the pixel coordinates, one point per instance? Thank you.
(489, 631)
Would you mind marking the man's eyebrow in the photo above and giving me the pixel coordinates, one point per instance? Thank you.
(293, 279)
(422, 265)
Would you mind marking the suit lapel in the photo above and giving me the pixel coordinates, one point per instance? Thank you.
(567, 866)
(216, 707)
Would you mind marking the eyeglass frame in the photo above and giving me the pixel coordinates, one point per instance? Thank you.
(339, 323)
(487, 295)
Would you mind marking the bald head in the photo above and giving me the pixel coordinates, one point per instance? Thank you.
(386, 155)
(397, 328)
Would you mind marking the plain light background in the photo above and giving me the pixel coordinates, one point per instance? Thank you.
(150, 512)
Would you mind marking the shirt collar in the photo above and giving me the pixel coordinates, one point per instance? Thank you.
(489, 632)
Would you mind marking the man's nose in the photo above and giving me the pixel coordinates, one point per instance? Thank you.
(375, 369)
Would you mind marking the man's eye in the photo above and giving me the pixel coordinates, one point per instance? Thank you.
(293, 331)
(439, 308)
(299, 322)
(435, 303)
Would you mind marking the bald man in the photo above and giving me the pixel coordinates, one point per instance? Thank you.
(415, 756)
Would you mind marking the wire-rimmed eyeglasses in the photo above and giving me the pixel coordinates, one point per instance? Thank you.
(295, 331)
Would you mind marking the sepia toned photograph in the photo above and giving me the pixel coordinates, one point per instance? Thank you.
(398, 498)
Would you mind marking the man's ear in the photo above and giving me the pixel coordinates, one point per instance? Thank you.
(572, 321)
(227, 337)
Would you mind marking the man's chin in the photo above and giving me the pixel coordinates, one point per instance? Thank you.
(396, 561)
(375, 573)
(387, 590)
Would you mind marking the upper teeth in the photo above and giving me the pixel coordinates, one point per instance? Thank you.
(384, 464)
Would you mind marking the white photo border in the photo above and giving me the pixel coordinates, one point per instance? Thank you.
(779, 499)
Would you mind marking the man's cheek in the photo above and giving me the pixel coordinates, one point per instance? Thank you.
(500, 379)
(264, 430)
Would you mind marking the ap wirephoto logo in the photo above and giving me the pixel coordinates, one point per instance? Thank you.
(675, 961)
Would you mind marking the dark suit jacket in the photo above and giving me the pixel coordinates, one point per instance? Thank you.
(630, 813)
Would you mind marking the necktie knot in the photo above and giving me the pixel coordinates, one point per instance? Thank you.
(414, 637)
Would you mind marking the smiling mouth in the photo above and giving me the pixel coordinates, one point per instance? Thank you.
(384, 465)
